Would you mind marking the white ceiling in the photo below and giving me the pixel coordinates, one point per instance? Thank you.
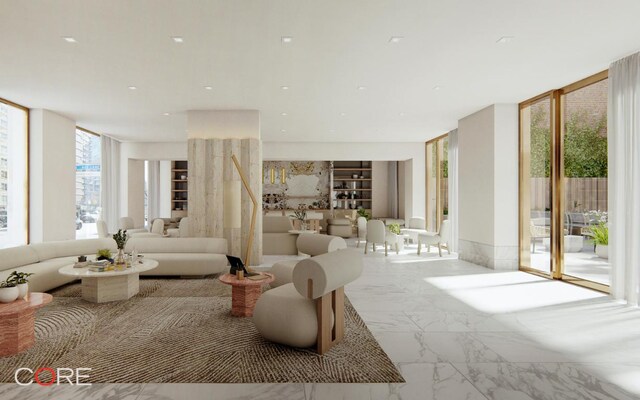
(235, 47)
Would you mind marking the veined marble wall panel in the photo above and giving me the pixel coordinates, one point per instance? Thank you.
(210, 164)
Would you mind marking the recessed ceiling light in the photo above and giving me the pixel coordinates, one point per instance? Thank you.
(331, 130)
(166, 114)
(362, 87)
(284, 87)
(283, 130)
(177, 39)
(505, 39)
(208, 87)
(395, 39)
(132, 87)
(284, 114)
(286, 39)
(343, 114)
(69, 39)
(402, 114)
(437, 88)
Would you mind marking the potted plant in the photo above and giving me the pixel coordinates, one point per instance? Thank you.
(21, 279)
(301, 215)
(394, 228)
(600, 235)
(121, 240)
(363, 213)
(8, 291)
(104, 254)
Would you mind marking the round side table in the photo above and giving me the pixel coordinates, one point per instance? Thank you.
(245, 293)
(17, 323)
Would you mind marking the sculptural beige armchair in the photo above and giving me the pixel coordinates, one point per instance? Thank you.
(311, 309)
(436, 239)
(312, 245)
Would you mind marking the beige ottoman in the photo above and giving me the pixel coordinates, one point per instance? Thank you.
(339, 227)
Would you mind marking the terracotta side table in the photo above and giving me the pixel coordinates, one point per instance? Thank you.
(244, 293)
(17, 323)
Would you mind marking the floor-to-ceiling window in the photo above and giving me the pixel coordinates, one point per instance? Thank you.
(436, 184)
(563, 183)
(13, 174)
(87, 183)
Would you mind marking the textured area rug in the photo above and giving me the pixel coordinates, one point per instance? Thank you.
(180, 330)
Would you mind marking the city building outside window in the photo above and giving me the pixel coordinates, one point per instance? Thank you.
(87, 184)
(13, 174)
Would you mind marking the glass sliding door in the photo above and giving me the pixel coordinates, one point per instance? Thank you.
(585, 160)
(437, 188)
(563, 184)
(535, 185)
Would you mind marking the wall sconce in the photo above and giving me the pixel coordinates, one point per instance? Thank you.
(283, 176)
(273, 175)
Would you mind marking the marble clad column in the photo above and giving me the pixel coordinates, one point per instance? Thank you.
(230, 173)
(214, 136)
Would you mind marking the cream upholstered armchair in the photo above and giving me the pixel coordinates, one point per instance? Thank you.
(103, 231)
(311, 309)
(377, 234)
(436, 239)
(416, 226)
(362, 230)
(126, 223)
(157, 227)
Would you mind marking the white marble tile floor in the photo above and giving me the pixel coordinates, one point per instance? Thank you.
(456, 331)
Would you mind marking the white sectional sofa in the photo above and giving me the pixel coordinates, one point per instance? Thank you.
(176, 256)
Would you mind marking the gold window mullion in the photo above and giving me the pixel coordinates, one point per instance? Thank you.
(557, 187)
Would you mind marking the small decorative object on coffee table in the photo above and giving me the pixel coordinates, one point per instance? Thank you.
(121, 240)
(17, 323)
(245, 293)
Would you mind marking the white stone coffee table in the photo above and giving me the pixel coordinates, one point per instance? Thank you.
(102, 287)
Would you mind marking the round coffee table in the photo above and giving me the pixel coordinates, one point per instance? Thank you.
(244, 293)
(114, 285)
(17, 323)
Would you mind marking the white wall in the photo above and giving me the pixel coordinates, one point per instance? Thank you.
(380, 192)
(143, 151)
(411, 153)
(505, 184)
(475, 165)
(135, 191)
(165, 189)
(488, 187)
(223, 124)
(52, 170)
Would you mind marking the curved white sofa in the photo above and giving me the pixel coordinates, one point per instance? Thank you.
(175, 256)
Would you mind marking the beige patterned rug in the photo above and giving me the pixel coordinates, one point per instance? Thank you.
(180, 330)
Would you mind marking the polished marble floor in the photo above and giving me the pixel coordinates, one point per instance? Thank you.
(455, 331)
